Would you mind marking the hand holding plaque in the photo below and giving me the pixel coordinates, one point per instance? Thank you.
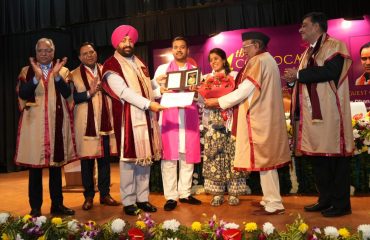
(182, 80)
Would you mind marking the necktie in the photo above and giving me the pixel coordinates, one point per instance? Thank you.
(45, 71)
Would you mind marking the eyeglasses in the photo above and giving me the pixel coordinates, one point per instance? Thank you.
(248, 45)
(48, 50)
(365, 58)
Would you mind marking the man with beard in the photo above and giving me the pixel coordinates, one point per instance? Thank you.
(93, 127)
(364, 79)
(45, 134)
(321, 115)
(180, 136)
(126, 79)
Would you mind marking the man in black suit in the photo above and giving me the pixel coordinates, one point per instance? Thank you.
(321, 115)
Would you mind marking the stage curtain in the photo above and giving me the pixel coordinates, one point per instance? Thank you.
(205, 17)
(71, 22)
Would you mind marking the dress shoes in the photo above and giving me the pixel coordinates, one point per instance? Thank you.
(61, 210)
(132, 210)
(88, 204)
(35, 212)
(146, 206)
(190, 200)
(317, 207)
(262, 211)
(108, 200)
(336, 212)
(170, 205)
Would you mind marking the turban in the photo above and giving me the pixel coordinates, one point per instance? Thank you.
(256, 36)
(122, 31)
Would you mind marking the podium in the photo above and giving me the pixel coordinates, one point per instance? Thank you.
(73, 178)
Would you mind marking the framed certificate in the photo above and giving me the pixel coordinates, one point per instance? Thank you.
(182, 80)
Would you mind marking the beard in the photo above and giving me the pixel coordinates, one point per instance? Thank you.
(180, 56)
(126, 51)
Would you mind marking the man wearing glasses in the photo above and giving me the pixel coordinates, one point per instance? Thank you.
(261, 135)
(45, 134)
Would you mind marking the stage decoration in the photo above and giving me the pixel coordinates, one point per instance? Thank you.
(361, 133)
(42, 228)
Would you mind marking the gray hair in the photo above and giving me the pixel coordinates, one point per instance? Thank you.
(45, 40)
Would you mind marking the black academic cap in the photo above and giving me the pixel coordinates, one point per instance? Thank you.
(256, 35)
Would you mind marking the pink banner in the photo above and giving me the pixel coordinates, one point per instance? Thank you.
(286, 46)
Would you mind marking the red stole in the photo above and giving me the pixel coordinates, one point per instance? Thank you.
(59, 115)
(105, 126)
(124, 111)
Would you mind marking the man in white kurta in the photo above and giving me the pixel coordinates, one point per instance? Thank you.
(180, 136)
(126, 80)
(261, 135)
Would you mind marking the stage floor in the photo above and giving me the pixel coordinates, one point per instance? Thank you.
(14, 199)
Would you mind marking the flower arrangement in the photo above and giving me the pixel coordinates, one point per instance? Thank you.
(41, 228)
(216, 85)
(361, 133)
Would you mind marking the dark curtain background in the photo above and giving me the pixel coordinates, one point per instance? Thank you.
(71, 22)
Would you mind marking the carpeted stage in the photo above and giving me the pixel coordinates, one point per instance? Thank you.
(14, 199)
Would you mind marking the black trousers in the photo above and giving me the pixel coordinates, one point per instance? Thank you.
(87, 172)
(332, 178)
(35, 187)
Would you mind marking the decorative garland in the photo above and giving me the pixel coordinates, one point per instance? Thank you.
(42, 228)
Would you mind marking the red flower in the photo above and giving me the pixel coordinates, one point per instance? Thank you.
(232, 234)
(261, 237)
(135, 234)
(216, 86)
(358, 116)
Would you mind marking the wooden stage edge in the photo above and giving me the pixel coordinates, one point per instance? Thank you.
(14, 199)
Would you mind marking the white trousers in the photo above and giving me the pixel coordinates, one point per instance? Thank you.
(134, 183)
(174, 187)
(271, 198)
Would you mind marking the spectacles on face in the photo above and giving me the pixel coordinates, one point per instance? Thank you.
(47, 50)
(248, 45)
(365, 58)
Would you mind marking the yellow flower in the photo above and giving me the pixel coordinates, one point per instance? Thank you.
(56, 221)
(140, 224)
(251, 227)
(303, 228)
(196, 226)
(343, 232)
(353, 122)
(41, 238)
(364, 148)
(4, 236)
(26, 218)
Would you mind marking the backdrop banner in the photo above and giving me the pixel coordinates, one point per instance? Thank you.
(286, 46)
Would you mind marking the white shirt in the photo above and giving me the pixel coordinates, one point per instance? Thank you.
(162, 69)
(244, 90)
(119, 87)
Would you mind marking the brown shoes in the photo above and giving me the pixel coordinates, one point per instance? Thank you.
(108, 200)
(88, 204)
